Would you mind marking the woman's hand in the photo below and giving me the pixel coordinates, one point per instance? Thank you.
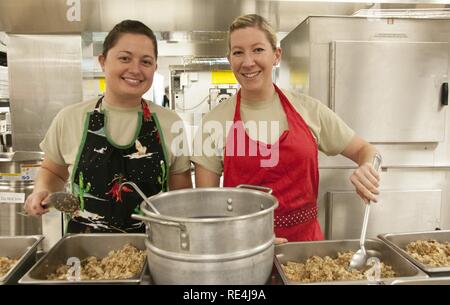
(51, 177)
(35, 203)
(366, 181)
(365, 178)
(280, 240)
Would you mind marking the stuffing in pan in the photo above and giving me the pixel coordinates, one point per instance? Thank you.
(430, 252)
(119, 264)
(6, 264)
(324, 269)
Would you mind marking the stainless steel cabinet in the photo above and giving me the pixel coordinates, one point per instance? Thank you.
(383, 76)
(396, 211)
(389, 91)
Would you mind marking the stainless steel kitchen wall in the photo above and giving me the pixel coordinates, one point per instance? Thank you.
(44, 76)
(69, 16)
(384, 77)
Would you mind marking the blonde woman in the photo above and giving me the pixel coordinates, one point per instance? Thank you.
(281, 152)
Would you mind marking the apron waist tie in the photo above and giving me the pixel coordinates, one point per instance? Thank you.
(296, 217)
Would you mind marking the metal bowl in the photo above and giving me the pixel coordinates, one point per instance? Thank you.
(210, 236)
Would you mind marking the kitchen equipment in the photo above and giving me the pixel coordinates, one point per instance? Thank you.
(80, 246)
(138, 190)
(63, 201)
(5, 132)
(338, 67)
(210, 236)
(17, 173)
(399, 241)
(23, 248)
(300, 251)
(359, 259)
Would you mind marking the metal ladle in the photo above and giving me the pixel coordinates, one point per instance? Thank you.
(138, 190)
(359, 259)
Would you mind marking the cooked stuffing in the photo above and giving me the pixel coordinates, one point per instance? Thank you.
(119, 264)
(6, 264)
(430, 252)
(325, 269)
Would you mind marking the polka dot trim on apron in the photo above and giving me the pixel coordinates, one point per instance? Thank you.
(292, 219)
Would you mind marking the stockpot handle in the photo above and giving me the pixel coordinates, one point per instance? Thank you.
(161, 222)
(184, 236)
(255, 187)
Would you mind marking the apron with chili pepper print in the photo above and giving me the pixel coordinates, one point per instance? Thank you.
(101, 167)
(294, 178)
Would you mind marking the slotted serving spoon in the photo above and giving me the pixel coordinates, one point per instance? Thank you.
(359, 259)
(62, 201)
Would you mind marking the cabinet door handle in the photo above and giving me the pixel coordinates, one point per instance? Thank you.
(444, 94)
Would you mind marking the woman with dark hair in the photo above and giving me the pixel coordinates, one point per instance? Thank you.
(119, 138)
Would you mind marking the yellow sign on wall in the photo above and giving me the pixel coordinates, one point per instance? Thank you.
(223, 77)
(101, 85)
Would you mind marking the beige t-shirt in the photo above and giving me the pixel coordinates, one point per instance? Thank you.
(63, 138)
(265, 121)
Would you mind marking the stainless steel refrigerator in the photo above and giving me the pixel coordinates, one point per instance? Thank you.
(387, 78)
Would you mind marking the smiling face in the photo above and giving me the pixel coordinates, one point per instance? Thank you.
(252, 58)
(129, 67)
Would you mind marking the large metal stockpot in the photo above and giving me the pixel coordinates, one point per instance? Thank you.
(210, 236)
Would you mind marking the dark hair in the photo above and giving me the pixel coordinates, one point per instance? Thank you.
(128, 26)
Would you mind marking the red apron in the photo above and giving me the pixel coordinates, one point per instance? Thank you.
(292, 174)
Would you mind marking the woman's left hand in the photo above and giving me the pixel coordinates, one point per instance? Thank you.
(366, 181)
(280, 240)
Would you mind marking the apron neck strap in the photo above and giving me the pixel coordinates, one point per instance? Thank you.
(98, 104)
(237, 111)
(144, 105)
